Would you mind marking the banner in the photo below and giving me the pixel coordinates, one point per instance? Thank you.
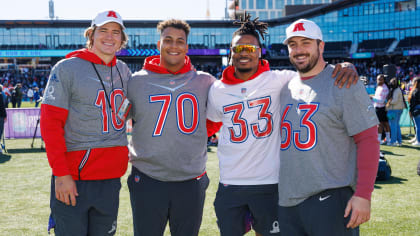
(21, 123)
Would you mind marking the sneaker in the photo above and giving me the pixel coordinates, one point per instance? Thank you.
(390, 144)
(383, 142)
(416, 144)
(399, 144)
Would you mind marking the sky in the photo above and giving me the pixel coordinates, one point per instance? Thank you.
(128, 9)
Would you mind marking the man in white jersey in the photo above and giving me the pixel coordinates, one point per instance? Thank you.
(330, 152)
(86, 142)
(247, 101)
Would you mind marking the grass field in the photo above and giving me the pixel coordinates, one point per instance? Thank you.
(25, 183)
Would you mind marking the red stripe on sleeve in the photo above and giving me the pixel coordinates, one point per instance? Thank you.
(367, 161)
(52, 124)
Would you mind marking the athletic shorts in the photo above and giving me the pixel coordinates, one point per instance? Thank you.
(95, 212)
(154, 202)
(321, 214)
(234, 202)
(381, 113)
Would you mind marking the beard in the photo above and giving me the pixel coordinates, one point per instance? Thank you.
(243, 70)
(313, 60)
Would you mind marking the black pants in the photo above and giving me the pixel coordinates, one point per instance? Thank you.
(321, 214)
(155, 202)
(96, 210)
(234, 202)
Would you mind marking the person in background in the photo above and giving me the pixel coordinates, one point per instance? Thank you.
(395, 106)
(37, 96)
(414, 100)
(379, 102)
(18, 94)
(30, 94)
(3, 115)
(7, 94)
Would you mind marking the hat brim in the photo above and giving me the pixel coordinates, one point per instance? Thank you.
(298, 35)
(109, 21)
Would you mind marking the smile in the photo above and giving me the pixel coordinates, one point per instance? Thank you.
(300, 58)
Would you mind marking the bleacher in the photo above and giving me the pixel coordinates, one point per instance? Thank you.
(408, 43)
(375, 45)
(338, 48)
(197, 46)
(222, 45)
(278, 49)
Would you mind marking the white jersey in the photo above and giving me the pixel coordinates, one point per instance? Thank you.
(249, 140)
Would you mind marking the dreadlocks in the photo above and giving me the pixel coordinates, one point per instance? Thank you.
(250, 27)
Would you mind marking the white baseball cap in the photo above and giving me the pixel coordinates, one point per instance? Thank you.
(106, 17)
(303, 28)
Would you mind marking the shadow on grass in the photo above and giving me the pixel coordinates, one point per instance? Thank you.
(411, 147)
(25, 150)
(4, 158)
(390, 153)
(392, 180)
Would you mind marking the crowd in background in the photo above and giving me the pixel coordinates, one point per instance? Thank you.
(33, 81)
(28, 84)
(23, 84)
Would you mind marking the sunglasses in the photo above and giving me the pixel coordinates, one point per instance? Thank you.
(246, 47)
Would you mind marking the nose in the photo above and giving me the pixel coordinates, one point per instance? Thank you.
(298, 49)
(108, 35)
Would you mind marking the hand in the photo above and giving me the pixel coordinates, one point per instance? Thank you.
(346, 73)
(360, 211)
(66, 190)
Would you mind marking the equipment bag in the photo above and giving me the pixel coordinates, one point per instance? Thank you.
(384, 169)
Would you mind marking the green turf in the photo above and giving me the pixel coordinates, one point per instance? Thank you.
(25, 181)
(25, 104)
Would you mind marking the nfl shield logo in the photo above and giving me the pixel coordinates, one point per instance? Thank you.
(243, 90)
(136, 178)
(171, 82)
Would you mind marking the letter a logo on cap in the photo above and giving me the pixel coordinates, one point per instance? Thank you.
(112, 14)
(298, 27)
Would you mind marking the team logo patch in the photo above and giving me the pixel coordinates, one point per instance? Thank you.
(113, 227)
(171, 82)
(54, 78)
(136, 178)
(276, 228)
(298, 27)
(243, 90)
(49, 93)
(301, 91)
